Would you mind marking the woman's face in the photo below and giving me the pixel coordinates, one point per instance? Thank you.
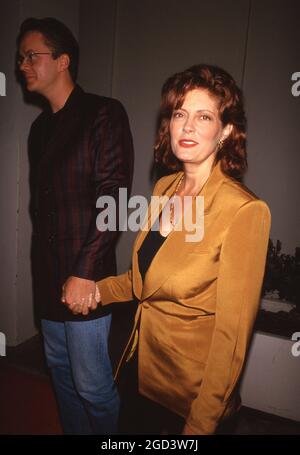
(196, 128)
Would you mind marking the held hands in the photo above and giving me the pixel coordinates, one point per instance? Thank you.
(80, 295)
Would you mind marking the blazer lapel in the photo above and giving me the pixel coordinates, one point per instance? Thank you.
(152, 214)
(169, 257)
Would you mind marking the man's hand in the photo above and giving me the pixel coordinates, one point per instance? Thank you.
(79, 295)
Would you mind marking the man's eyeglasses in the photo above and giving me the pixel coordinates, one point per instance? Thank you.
(30, 58)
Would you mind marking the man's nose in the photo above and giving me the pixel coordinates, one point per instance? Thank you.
(25, 64)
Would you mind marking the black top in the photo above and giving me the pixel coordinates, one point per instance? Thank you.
(51, 124)
(152, 243)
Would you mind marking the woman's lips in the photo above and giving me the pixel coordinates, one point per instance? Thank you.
(187, 143)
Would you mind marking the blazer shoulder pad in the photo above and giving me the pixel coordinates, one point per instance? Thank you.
(98, 102)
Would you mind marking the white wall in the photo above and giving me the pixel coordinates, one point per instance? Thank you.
(97, 43)
(274, 114)
(271, 378)
(8, 180)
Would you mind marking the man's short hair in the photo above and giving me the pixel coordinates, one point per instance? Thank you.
(58, 37)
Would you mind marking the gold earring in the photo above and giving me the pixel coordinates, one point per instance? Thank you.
(220, 144)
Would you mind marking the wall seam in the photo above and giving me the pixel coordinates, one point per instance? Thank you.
(17, 205)
(114, 41)
(246, 43)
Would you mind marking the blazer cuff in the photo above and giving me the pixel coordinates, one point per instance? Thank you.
(105, 293)
(200, 429)
(204, 420)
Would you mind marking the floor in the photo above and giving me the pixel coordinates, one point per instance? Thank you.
(28, 359)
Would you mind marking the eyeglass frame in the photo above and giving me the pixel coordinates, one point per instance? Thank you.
(21, 59)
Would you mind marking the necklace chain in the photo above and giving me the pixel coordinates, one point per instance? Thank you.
(178, 185)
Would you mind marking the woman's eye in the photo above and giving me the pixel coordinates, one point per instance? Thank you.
(177, 114)
(205, 117)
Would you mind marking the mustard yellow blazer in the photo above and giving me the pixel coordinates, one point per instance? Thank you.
(198, 303)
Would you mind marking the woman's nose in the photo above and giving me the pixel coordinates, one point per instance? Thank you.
(188, 126)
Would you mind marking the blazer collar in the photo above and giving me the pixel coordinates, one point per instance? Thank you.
(73, 99)
(166, 261)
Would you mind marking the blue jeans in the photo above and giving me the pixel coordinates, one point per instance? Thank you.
(77, 355)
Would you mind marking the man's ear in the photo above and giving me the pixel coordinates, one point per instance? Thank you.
(227, 130)
(64, 62)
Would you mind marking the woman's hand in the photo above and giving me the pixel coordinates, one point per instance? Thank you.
(97, 294)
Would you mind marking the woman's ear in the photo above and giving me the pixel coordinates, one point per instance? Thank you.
(227, 130)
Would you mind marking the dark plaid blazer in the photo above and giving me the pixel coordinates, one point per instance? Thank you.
(89, 153)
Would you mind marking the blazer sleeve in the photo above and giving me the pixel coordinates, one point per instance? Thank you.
(116, 288)
(242, 263)
(113, 168)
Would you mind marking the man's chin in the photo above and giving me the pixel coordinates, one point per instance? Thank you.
(31, 86)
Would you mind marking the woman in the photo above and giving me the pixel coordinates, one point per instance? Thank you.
(198, 299)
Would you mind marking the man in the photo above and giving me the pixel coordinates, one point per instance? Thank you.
(80, 148)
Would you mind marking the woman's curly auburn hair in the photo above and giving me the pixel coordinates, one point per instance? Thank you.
(222, 87)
